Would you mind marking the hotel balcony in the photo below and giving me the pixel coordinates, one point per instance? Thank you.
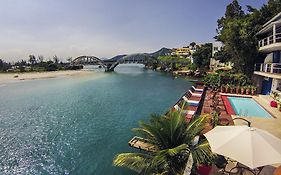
(272, 70)
(270, 43)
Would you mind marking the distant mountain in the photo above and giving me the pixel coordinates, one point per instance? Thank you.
(139, 56)
(103, 58)
(162, 52)
(117, 57)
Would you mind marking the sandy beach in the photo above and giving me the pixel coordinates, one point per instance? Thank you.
(15, 77)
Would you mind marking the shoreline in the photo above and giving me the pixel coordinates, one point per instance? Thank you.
(6, 78)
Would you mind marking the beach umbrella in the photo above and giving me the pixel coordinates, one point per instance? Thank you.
(247, 145)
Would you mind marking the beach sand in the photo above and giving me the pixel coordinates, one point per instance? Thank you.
(11, 77)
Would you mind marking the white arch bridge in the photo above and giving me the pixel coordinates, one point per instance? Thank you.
(110, 64)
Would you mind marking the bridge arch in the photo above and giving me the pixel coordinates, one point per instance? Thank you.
(133, 58)
(88, 60)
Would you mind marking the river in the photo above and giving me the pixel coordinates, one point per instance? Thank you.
(76, 125)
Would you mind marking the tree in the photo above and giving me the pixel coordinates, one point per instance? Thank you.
(173, 140)
(238, 31)
(193, 44)
(1, 65)
(41, 58)
(56, 59)
(202, 56)
(222, 56)
(32, 59)
(69, 59)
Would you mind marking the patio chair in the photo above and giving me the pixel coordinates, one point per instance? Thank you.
(246, 170)
(227, 166)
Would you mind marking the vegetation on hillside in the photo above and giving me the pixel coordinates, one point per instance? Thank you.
(202, 56)
(4, 66)
(237, 29)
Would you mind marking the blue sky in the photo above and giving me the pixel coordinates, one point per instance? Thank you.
(105, 28)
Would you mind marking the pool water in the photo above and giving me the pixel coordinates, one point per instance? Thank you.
(247, 107)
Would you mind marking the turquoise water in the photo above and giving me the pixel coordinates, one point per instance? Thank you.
(75, 125)
(248, 107)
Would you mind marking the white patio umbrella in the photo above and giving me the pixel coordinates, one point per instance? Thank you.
(247, 145)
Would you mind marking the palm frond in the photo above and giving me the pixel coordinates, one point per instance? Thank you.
(202, 153)
(195, 127)
(135, 161)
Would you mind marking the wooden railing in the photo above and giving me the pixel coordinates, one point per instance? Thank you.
(269, 67)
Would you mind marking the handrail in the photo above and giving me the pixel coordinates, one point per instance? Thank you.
(239, 118)
(270, 40)
(268, 67)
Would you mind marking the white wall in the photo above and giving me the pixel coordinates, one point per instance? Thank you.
(276, 84)
(216, 46)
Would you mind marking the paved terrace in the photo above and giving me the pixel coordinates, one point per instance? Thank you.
(272, 125)
(208, 108)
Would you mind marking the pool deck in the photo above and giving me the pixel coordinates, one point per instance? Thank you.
(272, 125)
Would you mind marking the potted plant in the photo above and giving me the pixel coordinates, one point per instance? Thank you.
(273, 103)
(237, 89)
(247, 90)
(222, 88)
(232, 89)
(242, 90)
(205, 167)
(253, 90)
(227, 88)
(274, 95)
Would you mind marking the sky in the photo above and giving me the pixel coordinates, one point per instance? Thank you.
(105, 28)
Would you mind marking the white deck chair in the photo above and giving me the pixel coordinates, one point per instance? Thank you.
(184, 111)
(190, 101)
(195, 94)
(196, 89)
(193, 101)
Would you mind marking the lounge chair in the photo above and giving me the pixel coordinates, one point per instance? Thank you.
(226, 166)
(193, 102)
(184, 111)
(195, 94)
(197, 89)
(229, 166)
(190, 102)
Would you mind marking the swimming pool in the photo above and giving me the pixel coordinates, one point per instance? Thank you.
(247, 107)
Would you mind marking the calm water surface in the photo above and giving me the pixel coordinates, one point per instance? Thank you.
(76, 125)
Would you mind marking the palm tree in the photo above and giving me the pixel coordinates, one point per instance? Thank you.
(173, 140)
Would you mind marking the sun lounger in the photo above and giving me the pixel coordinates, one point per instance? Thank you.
(197, 89)
(184, 111)
(195, 94)
(193, 102)
(177, 107)
(190, 102)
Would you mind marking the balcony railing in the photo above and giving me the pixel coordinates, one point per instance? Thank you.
(269, 68)
(270, 40)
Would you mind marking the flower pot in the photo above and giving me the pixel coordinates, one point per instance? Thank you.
(226, 89)
(247, 91)
(232, 91)
(242, 91)
(253, 91)
(222, 89)
(204, 169)
(237, 90)
(273, 104)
